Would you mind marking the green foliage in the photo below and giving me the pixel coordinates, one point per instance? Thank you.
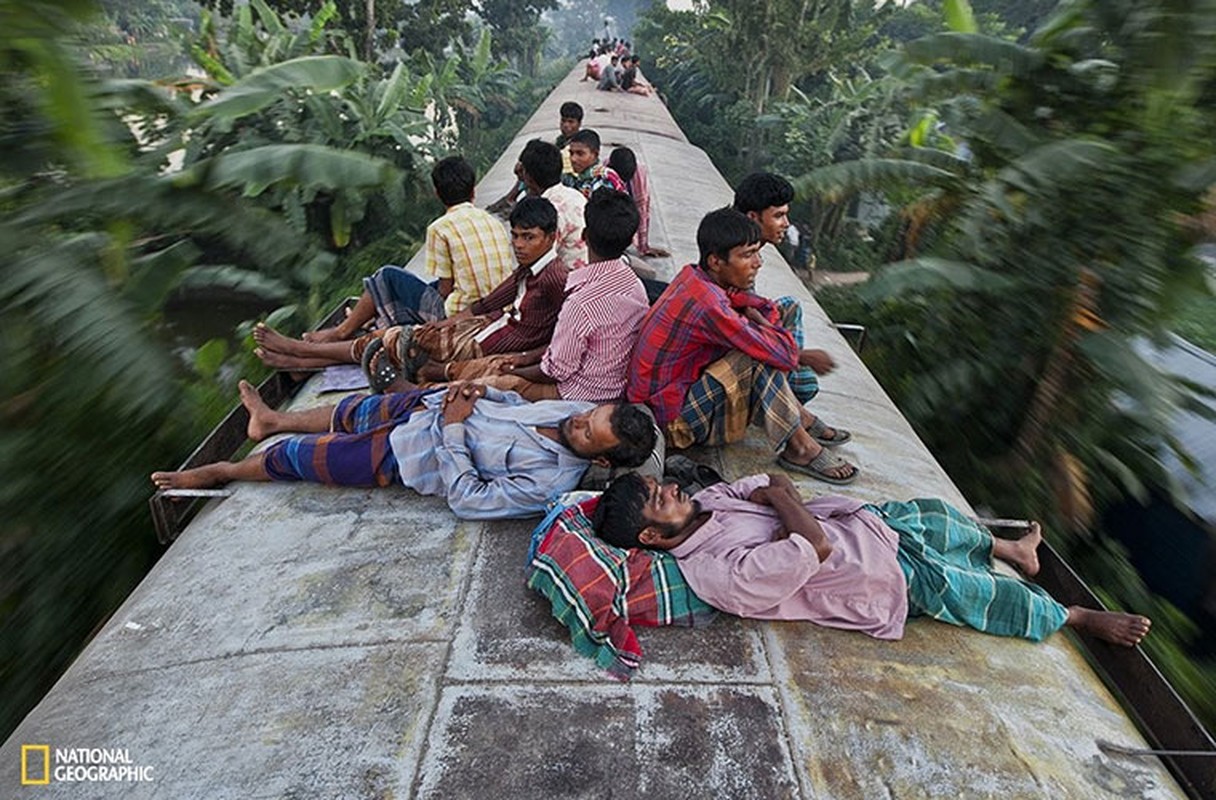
(1054, 240)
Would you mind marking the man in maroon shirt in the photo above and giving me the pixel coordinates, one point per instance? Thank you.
(517, 315)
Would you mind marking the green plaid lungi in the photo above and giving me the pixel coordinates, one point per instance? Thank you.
(947, 560)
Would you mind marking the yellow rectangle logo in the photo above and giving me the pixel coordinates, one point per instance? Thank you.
(26, 750)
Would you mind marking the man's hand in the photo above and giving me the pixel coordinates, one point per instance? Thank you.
(754, 315)
(458, 403)
(818, 360)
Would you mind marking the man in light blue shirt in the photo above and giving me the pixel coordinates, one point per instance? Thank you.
(490, 453)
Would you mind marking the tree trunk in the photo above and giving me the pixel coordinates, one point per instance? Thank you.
(369, 40)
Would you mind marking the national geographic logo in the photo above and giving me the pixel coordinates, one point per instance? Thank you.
(80, 765)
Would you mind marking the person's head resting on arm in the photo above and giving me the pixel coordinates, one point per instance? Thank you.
(611, 221)
(729, 245)
(637, 511)
(619, 435)
(541, 165)
(454, 181)
(766, 198)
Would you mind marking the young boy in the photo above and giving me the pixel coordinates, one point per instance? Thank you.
(518, 315)
(713, 357)
(597, 326)
(589, 173)
(756, 549)
(467, 249)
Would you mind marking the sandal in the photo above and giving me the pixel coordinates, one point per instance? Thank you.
(817, 429)
(380, 372)
(819, 465)
(412, 358)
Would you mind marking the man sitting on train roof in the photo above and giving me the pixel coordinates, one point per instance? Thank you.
(491, 454)
(631, 81)
(757, 549)
(540, 170)
(589, 173)
(713, 356)
(467, 249)
(519, 314)
(637, 183)
(569, 123)
(596, 327)
(610, 75)
(765, 198)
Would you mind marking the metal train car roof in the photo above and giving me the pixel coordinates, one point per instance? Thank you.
(300, 641)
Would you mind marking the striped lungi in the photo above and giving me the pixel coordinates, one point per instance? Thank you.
(731, 392)
(355, 452)
(947, 560)
(402, 298)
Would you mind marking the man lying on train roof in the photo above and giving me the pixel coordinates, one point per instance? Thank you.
(756, 549)
(467, 249)
(713, 356)
(518, 315)
(490, 453)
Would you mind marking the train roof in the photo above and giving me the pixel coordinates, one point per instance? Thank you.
(303, 641)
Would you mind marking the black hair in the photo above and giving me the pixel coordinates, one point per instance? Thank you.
(618, 518)
(543, 162)
(611, 219)
(762, 190)
(588, 137)
(534, 212)
(571, 110)
(722, 231)
(635, 428)
(624, 162)
(454, 179)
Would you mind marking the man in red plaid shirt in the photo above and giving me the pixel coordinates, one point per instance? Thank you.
(713, 357)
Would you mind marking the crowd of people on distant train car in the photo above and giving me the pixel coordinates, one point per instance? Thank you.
(533, 352)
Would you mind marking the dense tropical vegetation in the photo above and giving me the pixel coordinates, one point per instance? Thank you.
(1025, 181)
(159, 150)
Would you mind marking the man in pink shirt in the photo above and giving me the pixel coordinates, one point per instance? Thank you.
(599, 321)
(755, 548)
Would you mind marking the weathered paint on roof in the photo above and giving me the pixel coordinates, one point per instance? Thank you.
(302, 641)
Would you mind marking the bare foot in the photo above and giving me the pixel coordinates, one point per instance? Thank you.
(270, 339)
(203, 477)
(262, 418)
(1115, 627)
(273, 358)
(333, 334)
(1022, 553)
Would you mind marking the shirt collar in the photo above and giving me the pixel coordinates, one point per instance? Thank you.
(542, 262)
(591, 271)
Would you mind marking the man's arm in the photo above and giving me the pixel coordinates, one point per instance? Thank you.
(763, 341)
(783, 497)
(469, 495)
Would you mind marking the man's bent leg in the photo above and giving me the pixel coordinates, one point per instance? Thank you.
(402, 298)
(803, 380)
